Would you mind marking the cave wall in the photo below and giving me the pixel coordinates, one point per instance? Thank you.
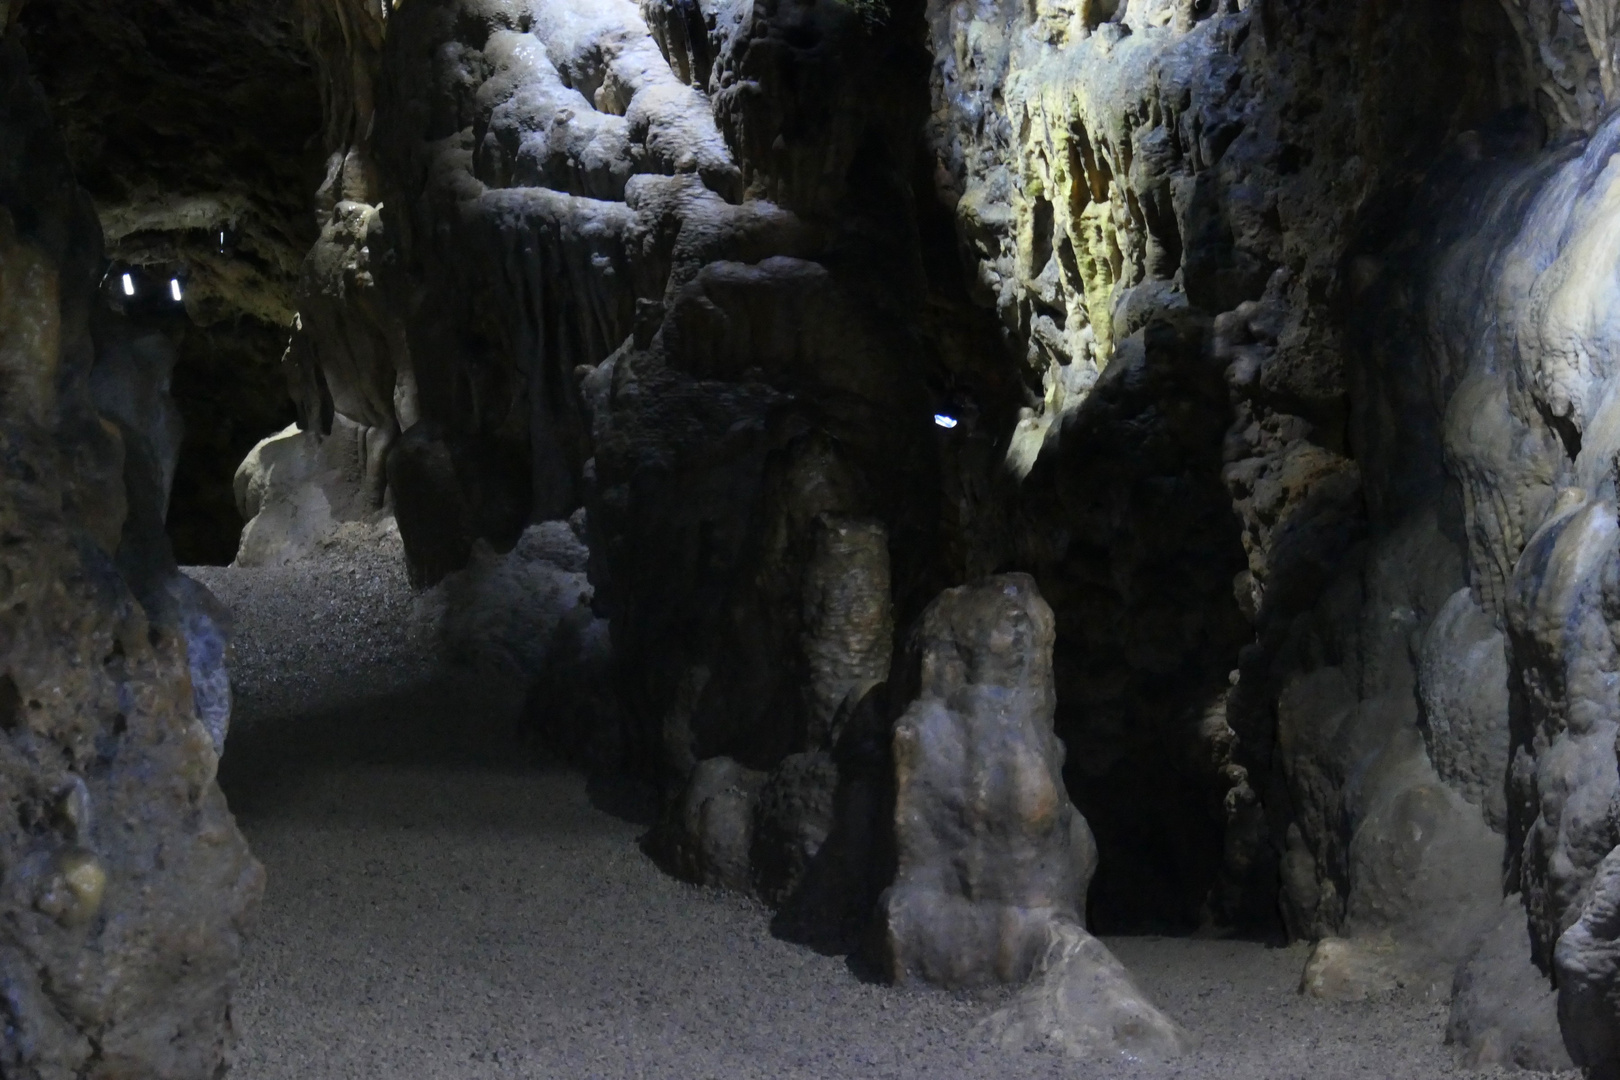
(1388, 219)
(124, 884)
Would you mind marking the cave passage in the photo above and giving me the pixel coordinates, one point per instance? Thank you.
(442, 902)
(195, 132)
(227, 398)
(809, 538)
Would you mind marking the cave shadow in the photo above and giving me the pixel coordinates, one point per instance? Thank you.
(1128, 527)
(446, 723)
(454, 725)
(624, 797)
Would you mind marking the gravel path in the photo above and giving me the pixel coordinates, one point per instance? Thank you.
(434, 910)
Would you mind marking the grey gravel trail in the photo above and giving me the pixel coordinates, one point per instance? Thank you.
(436, 908)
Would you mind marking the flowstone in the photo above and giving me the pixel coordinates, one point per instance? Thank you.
(991, 852)
(1587, 960)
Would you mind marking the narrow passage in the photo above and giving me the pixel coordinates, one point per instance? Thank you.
(439, 907)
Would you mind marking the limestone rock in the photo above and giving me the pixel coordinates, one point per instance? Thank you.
(1342, 969)
(523, 620)
(205, 623)
(299, 490)
(1081, 1002)
(1425, 868)
(1277, 354)
(450, 492)
(1504, 1011)
(130, 385)
(1396, 854)
(501, 612)
(1462, 678)
(795, 817)
(708, 837)
(827, 860)
(1587, 961)
(848, 622)
(1565, 781)
(126, 884)
(990, 849)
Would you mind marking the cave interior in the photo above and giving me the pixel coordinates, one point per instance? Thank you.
(809, 538)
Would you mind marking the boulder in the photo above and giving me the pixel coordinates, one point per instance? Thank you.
(1082, 1003)
(796, 807)
(1344, 969)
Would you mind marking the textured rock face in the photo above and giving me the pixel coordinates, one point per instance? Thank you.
(125, 883)
(711, 838)
(1502, 1012)
(1462, 668)
(1276, 340)
(1417, 454)
(1142, 191)
(1588, 961)
(299, 492)
(990, 850)
(1527, 436)
(992, 860)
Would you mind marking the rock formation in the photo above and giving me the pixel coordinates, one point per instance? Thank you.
(990, 850)
(1081, 1002)
(1502, 1012)
(1588, 965)
(125, 883)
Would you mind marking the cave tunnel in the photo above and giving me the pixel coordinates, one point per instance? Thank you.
(195, 130)
(551, 538)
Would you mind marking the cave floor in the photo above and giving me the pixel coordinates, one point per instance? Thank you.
(433, 911)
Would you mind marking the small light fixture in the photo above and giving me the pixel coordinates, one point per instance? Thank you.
(174, 289)
(946, 422)
(129, 285)
(222, 241)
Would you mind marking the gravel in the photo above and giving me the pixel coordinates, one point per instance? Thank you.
(436, 908)
(315, 637)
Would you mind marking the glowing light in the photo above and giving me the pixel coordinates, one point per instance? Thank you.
(129, 285)
(222, 241)
(944, 421)
(174, 289)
